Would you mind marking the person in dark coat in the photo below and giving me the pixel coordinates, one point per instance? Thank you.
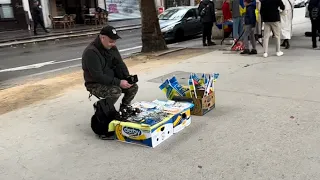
(37, 17)
(207, 13)
(314, 14)
(271, 17)
(249, 25)
(104, 70)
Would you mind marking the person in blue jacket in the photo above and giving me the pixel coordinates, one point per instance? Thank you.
(249, 26)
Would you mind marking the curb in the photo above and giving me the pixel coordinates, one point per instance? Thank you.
(63, 36)
(170, 51)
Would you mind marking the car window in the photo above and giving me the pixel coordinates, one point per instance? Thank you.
(171, 14)
(190, 13)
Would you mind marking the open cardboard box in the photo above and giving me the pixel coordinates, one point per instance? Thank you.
(202, 105)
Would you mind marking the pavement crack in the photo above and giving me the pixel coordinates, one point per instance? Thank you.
(24, 167)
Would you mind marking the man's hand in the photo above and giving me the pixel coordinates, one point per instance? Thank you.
(124, 84)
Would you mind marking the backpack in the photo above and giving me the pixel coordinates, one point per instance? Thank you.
(105, 112)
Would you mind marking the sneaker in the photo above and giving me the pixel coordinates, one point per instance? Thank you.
(280, 53)
(205, 44)
(316, 48)
(265, 55)
(246, 51)
(253, 51)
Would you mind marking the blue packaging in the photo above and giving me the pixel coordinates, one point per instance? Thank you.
(175, 84)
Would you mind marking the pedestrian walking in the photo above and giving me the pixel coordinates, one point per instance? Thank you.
(286, 22)
(237, 19)
(271, 17)
(227, 17)
(249, 26)
(37, 17)
(207, 13)
(314, 13)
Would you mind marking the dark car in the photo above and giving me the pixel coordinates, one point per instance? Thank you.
(179, 22)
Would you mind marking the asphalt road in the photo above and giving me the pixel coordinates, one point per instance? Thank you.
(43, 57)
(56, 57)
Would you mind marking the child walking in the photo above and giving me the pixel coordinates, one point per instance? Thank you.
(249, 26)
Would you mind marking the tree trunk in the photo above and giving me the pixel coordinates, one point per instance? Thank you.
(152, 39)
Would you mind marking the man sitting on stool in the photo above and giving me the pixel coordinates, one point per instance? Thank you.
(105, 72)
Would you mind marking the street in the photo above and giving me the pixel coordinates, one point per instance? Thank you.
(265, 125)
(53, 58)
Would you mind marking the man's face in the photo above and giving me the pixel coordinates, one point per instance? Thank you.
(36, 3)
(107, 42)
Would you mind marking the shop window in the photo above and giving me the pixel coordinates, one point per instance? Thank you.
(6, 10)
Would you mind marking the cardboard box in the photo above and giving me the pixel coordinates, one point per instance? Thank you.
(143, 134)
(153, 135)
(181, 121)
(202, 105)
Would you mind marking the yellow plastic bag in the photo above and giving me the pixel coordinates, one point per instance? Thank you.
(257, 14)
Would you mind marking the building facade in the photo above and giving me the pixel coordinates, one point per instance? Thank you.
(13, 15)
(16, 14)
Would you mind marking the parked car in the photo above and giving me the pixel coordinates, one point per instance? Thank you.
(300, 3)
(179, 22)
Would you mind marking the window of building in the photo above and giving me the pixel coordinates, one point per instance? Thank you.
(6, 10)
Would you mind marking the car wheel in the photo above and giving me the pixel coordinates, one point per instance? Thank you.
(179, 35)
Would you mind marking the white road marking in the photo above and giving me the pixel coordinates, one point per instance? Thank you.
(39, 65)
(32, 66)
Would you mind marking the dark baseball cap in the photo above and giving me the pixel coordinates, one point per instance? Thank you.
(110, 32)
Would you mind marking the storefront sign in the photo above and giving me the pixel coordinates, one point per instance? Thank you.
(123, 9)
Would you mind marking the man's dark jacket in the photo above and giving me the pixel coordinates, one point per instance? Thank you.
(250, 16)
(313, 4)
(210, 16)
(270, 10)
(36, 13)
(103, 66)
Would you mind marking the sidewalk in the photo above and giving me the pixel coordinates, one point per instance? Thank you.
(22, 36)
(265, 126)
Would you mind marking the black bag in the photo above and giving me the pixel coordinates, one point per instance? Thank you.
(105, 112)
